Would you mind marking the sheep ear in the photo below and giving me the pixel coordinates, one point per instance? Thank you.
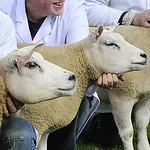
(38, 47)
(96, 34)
(112, 28)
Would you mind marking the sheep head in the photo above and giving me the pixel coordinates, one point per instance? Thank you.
(31, 79)
(109, 52)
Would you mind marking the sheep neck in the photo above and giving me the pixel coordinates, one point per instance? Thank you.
(73, 57)
(51, 115)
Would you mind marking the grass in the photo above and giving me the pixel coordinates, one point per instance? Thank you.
(82, 144)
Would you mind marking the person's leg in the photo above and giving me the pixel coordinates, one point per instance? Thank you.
(65, 138)
(102, 129)
(17, 134)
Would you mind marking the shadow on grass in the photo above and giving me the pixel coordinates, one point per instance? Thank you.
(83, 144)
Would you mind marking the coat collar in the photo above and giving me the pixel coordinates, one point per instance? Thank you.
(44, 30)
(22, 27)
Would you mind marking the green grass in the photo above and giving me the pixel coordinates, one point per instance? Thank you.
(82, 144)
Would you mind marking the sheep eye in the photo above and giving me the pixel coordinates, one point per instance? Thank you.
(112, 44)
(31, 65)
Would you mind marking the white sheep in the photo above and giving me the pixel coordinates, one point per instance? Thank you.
(101, 51)
(131, 95)
(25, 67)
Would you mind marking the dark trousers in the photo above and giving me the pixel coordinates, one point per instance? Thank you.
(65, 138)
(102, 129)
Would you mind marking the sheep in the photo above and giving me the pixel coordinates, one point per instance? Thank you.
(88, 59)
(132, 95)
(20, 68)
(25, 67)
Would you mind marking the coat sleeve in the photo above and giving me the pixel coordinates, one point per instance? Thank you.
(7, 36)
(99, 13)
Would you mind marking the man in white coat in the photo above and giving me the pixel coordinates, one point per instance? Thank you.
(7, 40)
(101, 128)
(125, 12)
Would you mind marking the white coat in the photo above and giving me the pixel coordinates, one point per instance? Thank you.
(54, 31)
(7, 35)
(108, 12)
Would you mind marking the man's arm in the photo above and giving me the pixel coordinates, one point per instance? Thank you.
(99, 13)
(7, 35)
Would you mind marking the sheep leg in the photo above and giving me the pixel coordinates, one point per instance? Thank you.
(142, 113)
(122, 109)
(42, 145)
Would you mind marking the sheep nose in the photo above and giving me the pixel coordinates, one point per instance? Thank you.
(72, 77)
(143, 55)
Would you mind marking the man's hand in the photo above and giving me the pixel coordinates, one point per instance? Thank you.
(142, 19)
(12, 107)
(109, 80)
